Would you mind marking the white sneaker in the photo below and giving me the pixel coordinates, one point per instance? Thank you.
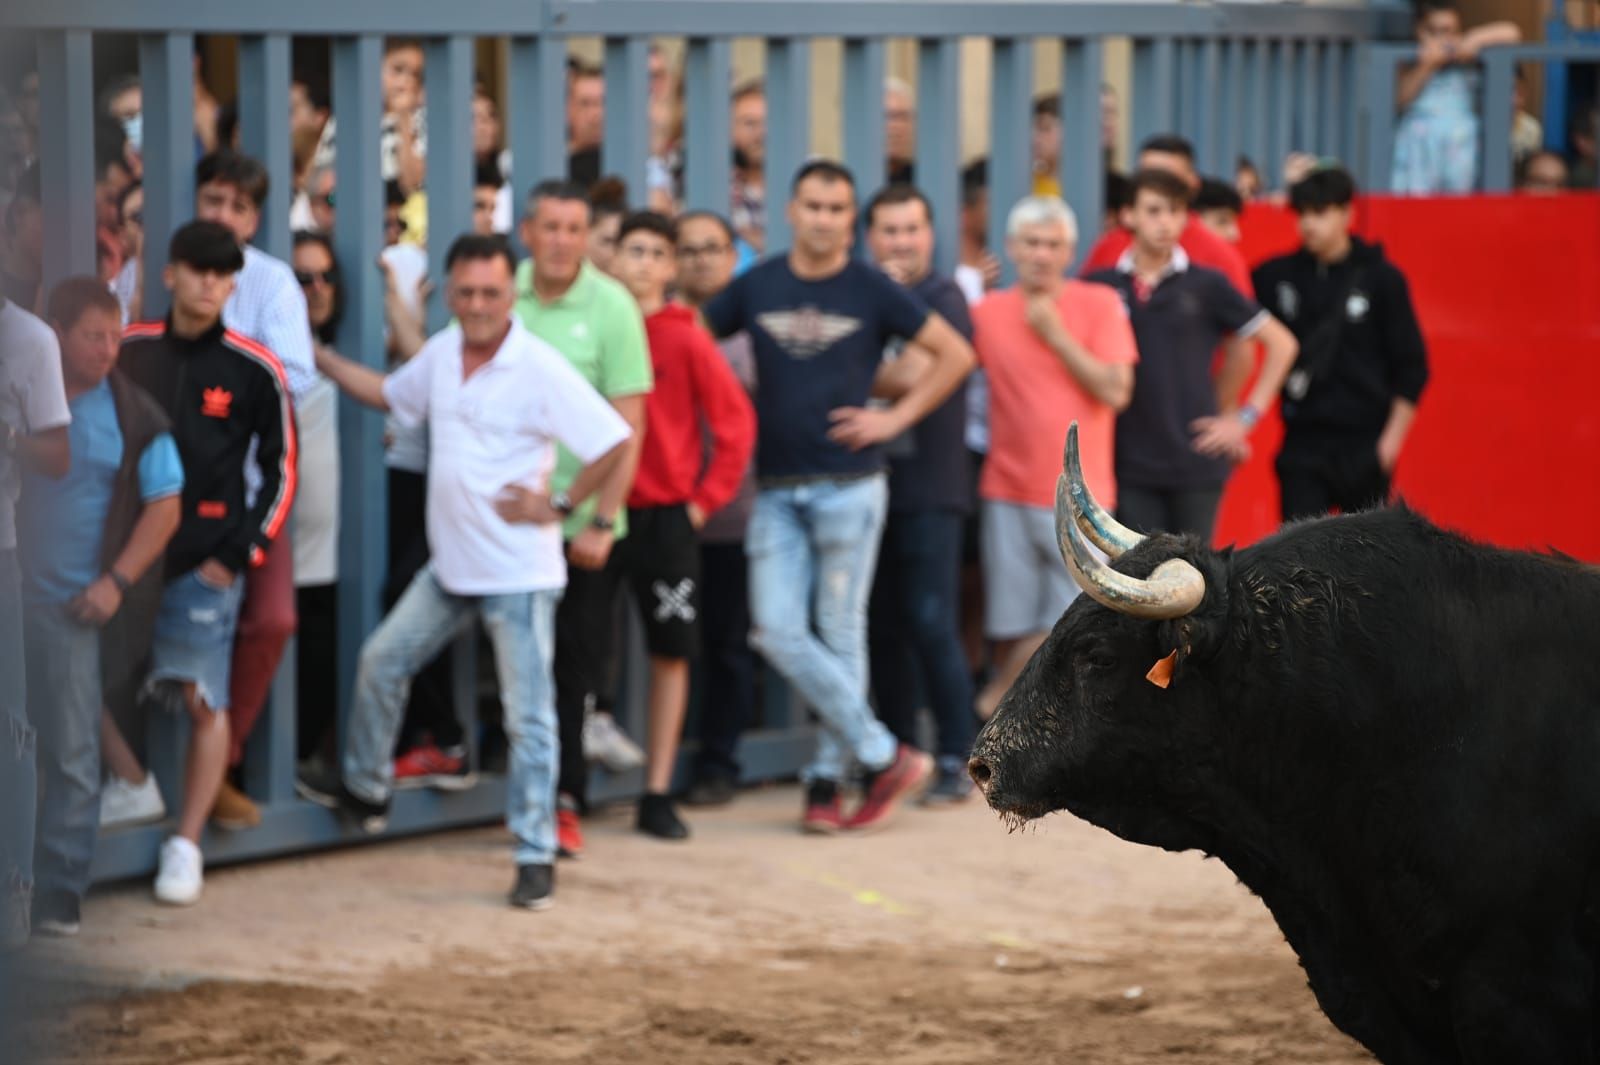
(606, 743)
(181, 878)
(122, 803)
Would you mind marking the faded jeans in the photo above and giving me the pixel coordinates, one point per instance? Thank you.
(521, 627)
(18, 773)
(64, 702)
(813, 548)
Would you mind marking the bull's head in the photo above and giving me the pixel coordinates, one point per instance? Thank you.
(1114, 705)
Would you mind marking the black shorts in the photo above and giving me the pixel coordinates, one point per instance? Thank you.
(661, 562)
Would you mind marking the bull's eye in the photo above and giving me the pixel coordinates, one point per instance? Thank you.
(1096, 660)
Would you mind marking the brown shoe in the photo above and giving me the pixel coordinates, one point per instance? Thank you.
(234, 810)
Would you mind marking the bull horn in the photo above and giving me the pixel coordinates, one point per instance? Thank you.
(1108, 534)
(1172, 591)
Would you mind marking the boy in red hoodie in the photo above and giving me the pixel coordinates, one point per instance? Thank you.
(675, 491)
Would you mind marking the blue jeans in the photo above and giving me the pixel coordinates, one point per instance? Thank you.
(194, 631)
(812, 551)
(521, 627)
(916, 634)
(64, 698)
(18, 773)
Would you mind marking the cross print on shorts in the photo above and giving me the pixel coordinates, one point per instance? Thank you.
(674, 601)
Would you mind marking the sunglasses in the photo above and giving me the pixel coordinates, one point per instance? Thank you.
(311, 277)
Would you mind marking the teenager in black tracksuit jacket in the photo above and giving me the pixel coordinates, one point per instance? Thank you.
(221, 391)
(1349, 401)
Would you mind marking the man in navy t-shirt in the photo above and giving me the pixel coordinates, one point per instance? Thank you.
(818, 321)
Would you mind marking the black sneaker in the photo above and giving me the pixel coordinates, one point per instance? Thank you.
(370, 817)
(56, 914)
(657, 818)
(717, 790)
(535, 887)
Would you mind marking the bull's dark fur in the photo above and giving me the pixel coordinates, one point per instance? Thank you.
(1390, 734)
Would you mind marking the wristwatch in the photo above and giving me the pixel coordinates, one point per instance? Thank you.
(604, 524)
(1248, 416)
(122, 583)
(561, 503)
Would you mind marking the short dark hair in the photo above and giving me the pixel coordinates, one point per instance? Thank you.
(110, 146)
(227, 167)
(1421, 9)
(556, 189)
(893, 195)
(74, 296)
(650, 222)
(1325, 186)
(608, 196)
(974, 181)
(486, 174)
(1163, 183)
(1217, 195)
(827, 170)
(1119, 191)
(115, 88)
(393, 194)
(316, 87)
(709, 216)
(206, 246)
(1047, 104)
(1169, 144)
(470, 247)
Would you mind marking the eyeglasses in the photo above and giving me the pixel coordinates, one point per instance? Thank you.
(307, 278)
(703, 251)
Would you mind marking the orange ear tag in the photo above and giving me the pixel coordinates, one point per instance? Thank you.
(1161, 673)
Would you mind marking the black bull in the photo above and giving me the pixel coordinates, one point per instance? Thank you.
(1390, 734)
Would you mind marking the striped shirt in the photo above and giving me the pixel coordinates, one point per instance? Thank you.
(268, 307)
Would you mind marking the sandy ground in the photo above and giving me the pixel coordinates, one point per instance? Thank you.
(940, 940)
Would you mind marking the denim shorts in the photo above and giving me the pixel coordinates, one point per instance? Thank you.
(194, 636)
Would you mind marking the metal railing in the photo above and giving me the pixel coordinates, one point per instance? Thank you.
(1257, 79)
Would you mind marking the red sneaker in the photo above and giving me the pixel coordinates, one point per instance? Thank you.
(569, 834)
(823, 816)
(904, 778)
(427, 765)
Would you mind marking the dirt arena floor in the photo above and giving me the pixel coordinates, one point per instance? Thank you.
(941, 940)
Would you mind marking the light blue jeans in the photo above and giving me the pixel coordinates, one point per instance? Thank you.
(521, 628)
(64, 700)
(813, 549)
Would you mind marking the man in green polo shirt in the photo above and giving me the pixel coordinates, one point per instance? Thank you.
(595, 323)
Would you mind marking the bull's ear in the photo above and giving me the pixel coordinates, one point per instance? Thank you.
(1192, 639)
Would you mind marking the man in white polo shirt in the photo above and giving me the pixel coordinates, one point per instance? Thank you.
(497, 400)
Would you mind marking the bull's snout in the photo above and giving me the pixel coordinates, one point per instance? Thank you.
(982, 774)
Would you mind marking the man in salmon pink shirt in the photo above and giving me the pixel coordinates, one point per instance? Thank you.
(1055, 351)
(674, 491)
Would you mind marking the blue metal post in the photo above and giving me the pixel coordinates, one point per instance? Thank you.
(450, 75)
(66, 153)
(939, 142)
(1083, 168)
(1307, 82)
(708, 73)
(166, 75)
(863, 109)
(1231, 107)
(363, 532)
(788, 128)
(537, 123)
(1280, 139)
(1188, 80)
(627, 138)
(1208, 91)
(1155, 68)
(264, 131)
(1010, 132)
(1379, 111)
(1254, 114)
(1499, 78)
(1350, 148)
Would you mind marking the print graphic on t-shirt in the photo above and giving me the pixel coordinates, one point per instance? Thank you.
(806, 331)
(674, 601)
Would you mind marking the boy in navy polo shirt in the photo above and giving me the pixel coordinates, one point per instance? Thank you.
(1178, 438)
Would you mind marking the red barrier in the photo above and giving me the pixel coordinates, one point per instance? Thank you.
(1506, 446)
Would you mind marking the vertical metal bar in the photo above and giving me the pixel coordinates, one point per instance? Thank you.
(1010, 126)
(264, 133)
(363, 503)
(1188, 98)
(864, 151)
(1256, 81)
(1332, 100)
(1231, 108)
(1281, 90)
(708, 70)
(538, 97)
(939, 143)
(1499, 75)
(1379, 114)
(1155, 68)
(166, 76)
(627, 138)
(1350, 147)
(450, 73)
(66, 154)
(1083, 167)
(1208, 93)
(269, 756)
(1306, 82)
(788, 128)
